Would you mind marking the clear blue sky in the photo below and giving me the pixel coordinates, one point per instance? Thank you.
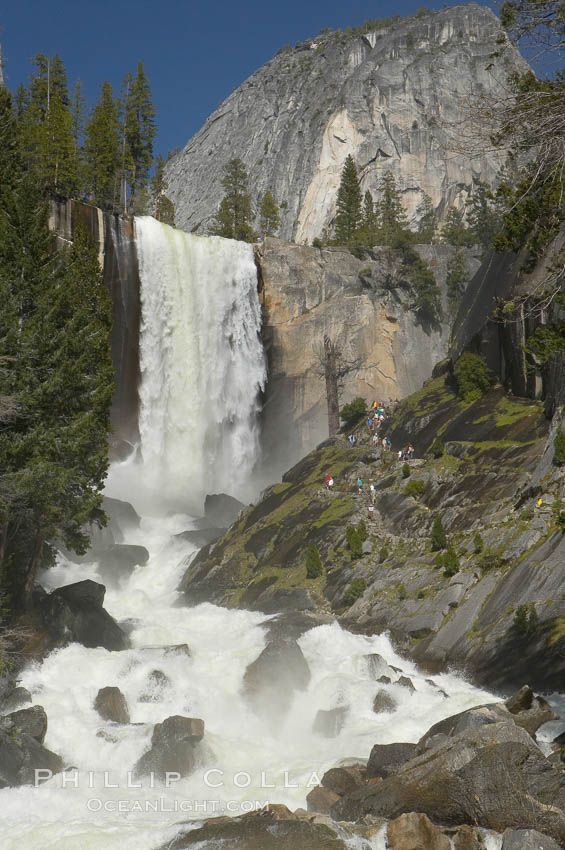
(194, 51)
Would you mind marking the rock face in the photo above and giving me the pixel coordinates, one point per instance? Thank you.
(221, 509)
(309, 292)
(381, 96)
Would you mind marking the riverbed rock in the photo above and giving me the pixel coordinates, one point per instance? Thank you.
(343, 780)
(174, 747)
(261, 831)
(14, 697)
(120, 560)
(201, 536)
(387, 759)
(529, 711)
(467, 838)
(21, 754)
(383, 702)
(494, 776)
(321, 800)
(329, 723)
(157, 683)
(111, 704)
(528, 839)
(270, 681)
(414, 831)
(32, 721)
(122, 517)
(222, 510)
(75, 613)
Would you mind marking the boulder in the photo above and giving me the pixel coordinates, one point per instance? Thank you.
(122, 517)
(407, 683)
(467, 838)
(329, 723)
(528, 839)
(174, 747)
(377, 667)
(270, 681)
(529, 711)
(259, 831)
(383, 702)
(14, 698)
(414, 831)
(110, 703)
(201, 537)
(157, 683)
(222, 510)
(343, 780)
(75, 613)
(493, 776)
(21, 754)
(32, 721)
(321, 800)
(120, 560)
(387, 759)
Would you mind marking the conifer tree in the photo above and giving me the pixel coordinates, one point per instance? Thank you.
(269, 215)
(348, 218)
(391, 216)
(138, 130)
(369, 220)
(457, 279)
(234, 214)
(102, 152)
(427, 223)
(78, 125)
(454, 231)
(438, 537)
(484, 219)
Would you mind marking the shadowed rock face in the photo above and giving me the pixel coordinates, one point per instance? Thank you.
(381, 97)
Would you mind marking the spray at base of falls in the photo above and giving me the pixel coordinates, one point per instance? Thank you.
(202, 364)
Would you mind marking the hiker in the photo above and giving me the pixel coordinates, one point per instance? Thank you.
(372, 489)
(329, 482)
(384, 444)
(374, 405)
(400, 455)
(388, 444)
(375, 440)
(370, 423)
(351, 439)
(371, 512)
(410, 453)
(359, 485)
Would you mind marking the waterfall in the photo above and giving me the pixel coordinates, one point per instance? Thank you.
(201, 361)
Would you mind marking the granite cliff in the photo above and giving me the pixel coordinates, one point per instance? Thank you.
(387, 97)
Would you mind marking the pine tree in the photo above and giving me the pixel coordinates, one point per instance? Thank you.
(483, 217)
(102, 151)
(427, 223)
(369, 221)
(138, 131)
(234, 214)
(54, 342)
(391, 216)
(457, 279)
(454, 231)
(438, 537)
(269, 215)
(78, 125)
(348, 216)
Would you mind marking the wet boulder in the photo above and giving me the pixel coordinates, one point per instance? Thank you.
(406, 682)
(111, 704)
(330, 723)
(343, 780)
(75, 613)
(157, 684)
(528, 710)
(321, 800)
(32, 721)
(414, 831)
(122, 517)
(174, 747)
(120, 560)
(270, 681)
(377, 667)
(13, 697)
(527, 839)
(201, 536)
(222, 510)
(22, 754)
(387, 759)
(494, 776)
(383, 702)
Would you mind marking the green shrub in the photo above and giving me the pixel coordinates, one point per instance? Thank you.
(478, 544)
(383, 554)
(450, 562)
(314, 566)
(354, 411)
(525, 620)
(559, 447)
(356, 589)
(489, 561)
(558, 514)
(472, 376)
(362, 530)
(402, 592)
(406, 470)
(354, 542)
(437, 449)
(438, 537)
(415, 488)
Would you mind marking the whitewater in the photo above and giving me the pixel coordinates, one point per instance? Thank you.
(203, 370)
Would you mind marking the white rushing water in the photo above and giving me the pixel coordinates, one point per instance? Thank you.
(202, 365)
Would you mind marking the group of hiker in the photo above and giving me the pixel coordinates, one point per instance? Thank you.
(376, 416)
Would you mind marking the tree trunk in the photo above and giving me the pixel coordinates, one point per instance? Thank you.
(34, 565)
(332, 393)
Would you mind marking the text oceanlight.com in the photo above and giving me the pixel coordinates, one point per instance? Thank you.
(164, 804)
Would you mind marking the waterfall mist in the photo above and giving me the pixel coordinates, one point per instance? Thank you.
(202, 369)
